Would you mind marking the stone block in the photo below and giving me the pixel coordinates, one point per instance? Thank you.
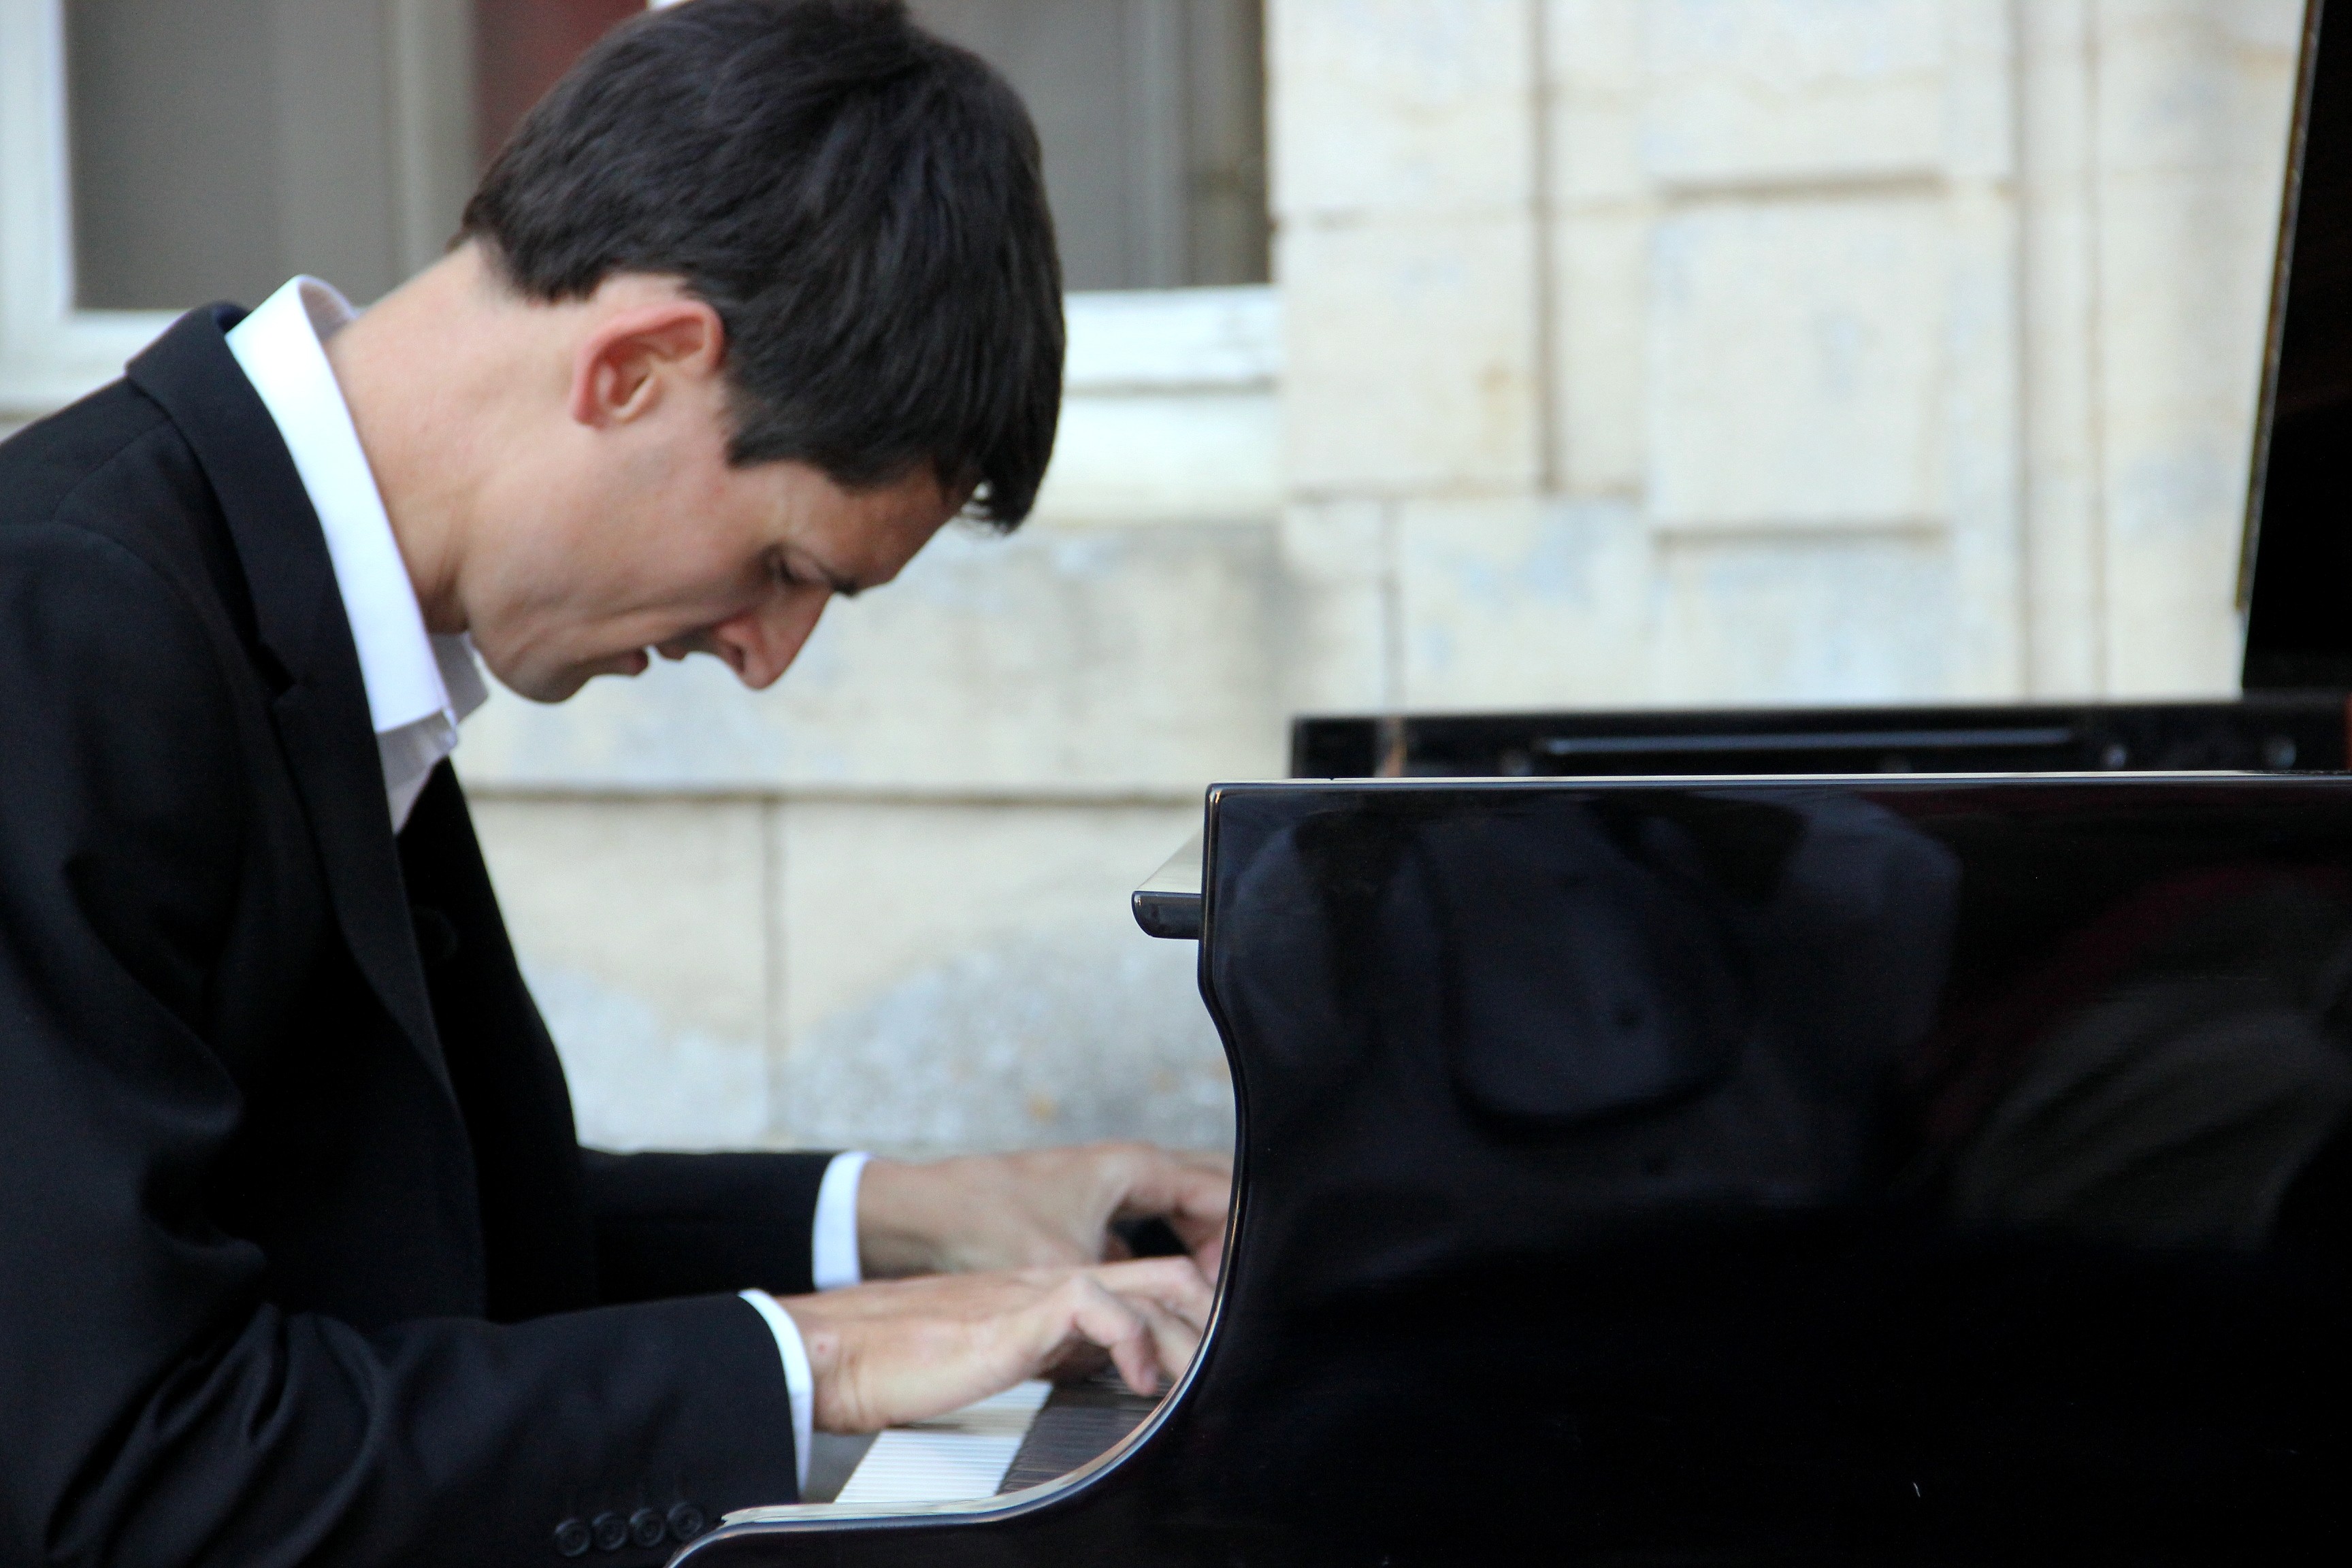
(1210, 456)
(1524, 603)
(1169, 413)
(1793, 92)
(1600, 269)
(2184, 310)
(1338, 640)
(958, 978)
(2173, 627)
(640, 924)
(1594, 80)
(1412, 356)
(1798, 354)
(2065, 604)
(1059, 659)
(2183, 319)
(2191, 84)
(1980, 402)
(1770, 622)
(1172, 340)
(1594, 45)
(1401, 106)
(2186, 207)
(1983, 56)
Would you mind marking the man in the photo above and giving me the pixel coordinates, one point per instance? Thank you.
(298, 1259)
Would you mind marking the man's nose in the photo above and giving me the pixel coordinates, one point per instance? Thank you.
(763, 643)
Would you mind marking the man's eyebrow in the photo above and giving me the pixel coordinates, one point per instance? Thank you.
(840, 582)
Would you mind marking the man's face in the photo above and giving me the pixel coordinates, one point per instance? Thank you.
(640, 537)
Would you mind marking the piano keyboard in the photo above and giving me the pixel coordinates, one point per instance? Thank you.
(963, 1454)
(1028, 1434)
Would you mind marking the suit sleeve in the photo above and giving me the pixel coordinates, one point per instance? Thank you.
(659, 1224)
(155, 1406)
(684, 1225)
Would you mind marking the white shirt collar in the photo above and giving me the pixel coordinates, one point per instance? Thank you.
(418, 685)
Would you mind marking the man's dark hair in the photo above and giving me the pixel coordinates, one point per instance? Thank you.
(860, 202)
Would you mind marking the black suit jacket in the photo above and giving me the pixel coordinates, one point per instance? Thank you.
(300, 1261)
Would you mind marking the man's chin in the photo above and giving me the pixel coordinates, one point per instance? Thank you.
(559, 685)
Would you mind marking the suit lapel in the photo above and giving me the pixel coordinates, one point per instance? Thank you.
(323, 715)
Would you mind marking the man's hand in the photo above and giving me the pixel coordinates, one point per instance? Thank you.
(1050, 1208)
(906, 1350)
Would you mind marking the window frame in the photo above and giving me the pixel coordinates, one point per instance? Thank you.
(50, 351)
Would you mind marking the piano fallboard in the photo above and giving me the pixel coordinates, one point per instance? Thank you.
(2265, 731)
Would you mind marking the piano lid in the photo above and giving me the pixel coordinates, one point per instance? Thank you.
(2295, 577)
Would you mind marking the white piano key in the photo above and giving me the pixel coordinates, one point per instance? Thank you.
(960, 1456)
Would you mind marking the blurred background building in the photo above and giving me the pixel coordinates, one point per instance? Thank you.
(1424, 354)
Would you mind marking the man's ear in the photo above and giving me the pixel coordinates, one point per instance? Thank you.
(630, 358)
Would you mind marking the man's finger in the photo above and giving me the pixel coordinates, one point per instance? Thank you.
(1174, 1342)
(1172, 1287)
(1175, 1282)
(1205, 1242)
(1192, 1192)
(1119, 1326)
(1161, 1184)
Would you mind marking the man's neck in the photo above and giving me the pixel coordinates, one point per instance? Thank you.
(419, 370)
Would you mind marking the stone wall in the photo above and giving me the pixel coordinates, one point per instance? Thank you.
(1672, 351)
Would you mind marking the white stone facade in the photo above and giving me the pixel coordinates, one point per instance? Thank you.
(1621, 353)
(1678, 351)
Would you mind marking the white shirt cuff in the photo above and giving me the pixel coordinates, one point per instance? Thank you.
(835, 1262)
(800, 1382)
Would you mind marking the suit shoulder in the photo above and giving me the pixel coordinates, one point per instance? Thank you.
(115, 465)
(107, 462)
(48, 459)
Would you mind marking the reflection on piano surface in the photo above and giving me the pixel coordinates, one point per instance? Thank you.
(2163, 1077)
(1890, 1169)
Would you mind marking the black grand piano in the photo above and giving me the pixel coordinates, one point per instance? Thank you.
(1818, 1162)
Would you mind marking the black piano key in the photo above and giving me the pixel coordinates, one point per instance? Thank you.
(1080, 1422)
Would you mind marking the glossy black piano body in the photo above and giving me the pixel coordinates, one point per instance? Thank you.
(1874, 1170)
